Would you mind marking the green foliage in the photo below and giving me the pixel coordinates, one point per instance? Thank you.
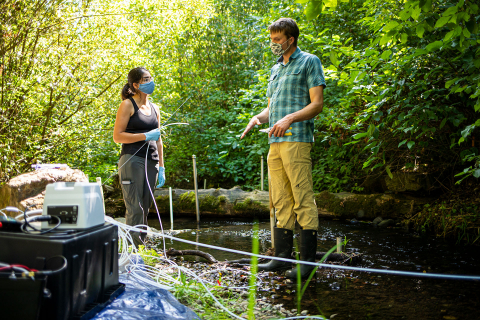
(458, 220)
(150, 256)
(192, 293)
(402, 85)
(60, 77)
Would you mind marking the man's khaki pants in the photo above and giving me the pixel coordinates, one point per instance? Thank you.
(290, 167)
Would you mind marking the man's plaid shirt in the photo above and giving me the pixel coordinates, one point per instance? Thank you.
(288, 90)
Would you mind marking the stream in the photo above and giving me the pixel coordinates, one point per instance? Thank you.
(341, 294)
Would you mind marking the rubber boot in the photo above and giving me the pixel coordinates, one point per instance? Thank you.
(308, 250)
(283, 243)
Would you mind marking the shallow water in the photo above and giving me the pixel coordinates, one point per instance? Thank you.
(340, 294)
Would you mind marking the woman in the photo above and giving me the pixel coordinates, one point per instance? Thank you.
(137, 128)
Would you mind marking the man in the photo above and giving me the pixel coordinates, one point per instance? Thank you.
(295, 97)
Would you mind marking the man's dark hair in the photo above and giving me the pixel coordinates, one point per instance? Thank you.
(288, 26)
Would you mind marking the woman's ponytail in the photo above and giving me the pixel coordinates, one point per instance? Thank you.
(127, 92)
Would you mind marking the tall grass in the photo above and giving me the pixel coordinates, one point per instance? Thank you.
(252, 291)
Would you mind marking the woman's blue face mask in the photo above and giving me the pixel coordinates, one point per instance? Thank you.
(147, 87)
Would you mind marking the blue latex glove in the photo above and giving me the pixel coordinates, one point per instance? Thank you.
(152, 135)
(161, 177)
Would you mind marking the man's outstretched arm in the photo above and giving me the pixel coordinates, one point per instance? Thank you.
(260, 118)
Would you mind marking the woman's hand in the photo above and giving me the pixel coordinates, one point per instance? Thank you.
(161, 177)
(152, 135)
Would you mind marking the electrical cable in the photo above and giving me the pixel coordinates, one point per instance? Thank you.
(25, 269)
(36, 211)
(9, 266)
(63, 267)
(26, 224)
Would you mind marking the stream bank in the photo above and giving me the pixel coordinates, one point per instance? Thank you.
(222, 203)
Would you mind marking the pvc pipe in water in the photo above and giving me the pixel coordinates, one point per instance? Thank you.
(196, 188)
(272, 226)
(261, 178)
(171, 207)
(339, 244)
(204, 183)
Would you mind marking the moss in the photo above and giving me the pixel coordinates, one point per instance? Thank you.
(186, 202)
(250, 207)
(207, 203)
(348, 206)
(210, 203)
(163, 203)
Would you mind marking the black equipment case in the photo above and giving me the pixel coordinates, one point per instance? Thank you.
(89, 282)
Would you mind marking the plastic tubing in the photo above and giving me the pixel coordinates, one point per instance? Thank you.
(383, 271)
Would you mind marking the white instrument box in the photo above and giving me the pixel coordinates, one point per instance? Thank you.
(79, 205)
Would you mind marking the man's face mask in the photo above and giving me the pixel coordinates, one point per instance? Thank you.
(277, 48)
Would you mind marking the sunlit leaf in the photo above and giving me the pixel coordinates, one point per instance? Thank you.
(448, 36)
(449, 83)
(427, 6)
(386, 54)
(385, 39)
(416, 13)
(420, 30)
(434, 46)
(313, 9)
(334, 58)
(442, 21)
(360, 135)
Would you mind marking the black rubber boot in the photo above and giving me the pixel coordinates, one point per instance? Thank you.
(283, 243)
(308, 250)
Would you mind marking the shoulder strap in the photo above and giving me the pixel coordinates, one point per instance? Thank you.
(153, 108)
(134, 104)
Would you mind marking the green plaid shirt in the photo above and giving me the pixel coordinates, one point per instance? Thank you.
(288, 90)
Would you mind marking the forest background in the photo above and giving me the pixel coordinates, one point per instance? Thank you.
(402, 94)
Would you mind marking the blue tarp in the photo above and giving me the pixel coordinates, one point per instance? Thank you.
(144, 302)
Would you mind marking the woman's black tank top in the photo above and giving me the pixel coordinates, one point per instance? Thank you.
(141, 123)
